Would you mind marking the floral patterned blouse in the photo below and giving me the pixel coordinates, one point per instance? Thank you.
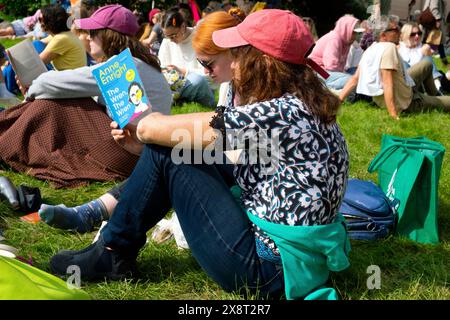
(293, 169)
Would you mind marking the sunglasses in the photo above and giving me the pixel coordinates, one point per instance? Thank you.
(413, 34)
(208, 65)
(392, 29)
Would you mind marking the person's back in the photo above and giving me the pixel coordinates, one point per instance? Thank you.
(64, 50)
(332, 49)
(70, 50)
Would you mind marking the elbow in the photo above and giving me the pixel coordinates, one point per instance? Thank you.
(144, 131)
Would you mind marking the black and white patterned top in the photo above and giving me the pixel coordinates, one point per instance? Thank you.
(298, 173)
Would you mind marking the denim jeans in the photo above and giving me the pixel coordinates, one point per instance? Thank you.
(197, 89)
(216, 228)
(337, 80)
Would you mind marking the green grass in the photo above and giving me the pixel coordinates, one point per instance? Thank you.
(10, 42)
(408, 270)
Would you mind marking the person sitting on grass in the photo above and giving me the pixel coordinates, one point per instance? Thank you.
(217, 64)
(177, 55)
(64, 50)
(381, 74)
(332, 49)
(283, 233)
(413, 51)
(61, 134)
(156, 36)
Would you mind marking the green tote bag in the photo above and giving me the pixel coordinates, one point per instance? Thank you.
(409, 170)
(20, 281)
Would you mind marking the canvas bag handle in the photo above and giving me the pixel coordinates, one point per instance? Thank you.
(406, 145)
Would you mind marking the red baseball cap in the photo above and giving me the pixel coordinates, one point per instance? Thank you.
(114, 17)
(278, 33)
(151, 14)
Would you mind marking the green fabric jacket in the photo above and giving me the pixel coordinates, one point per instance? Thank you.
(308, 254)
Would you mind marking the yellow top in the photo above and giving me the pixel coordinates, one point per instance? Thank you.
(70, 51)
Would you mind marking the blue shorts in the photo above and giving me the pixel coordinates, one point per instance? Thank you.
(19, 28)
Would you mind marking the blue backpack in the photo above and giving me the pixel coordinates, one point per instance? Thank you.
(369, 214)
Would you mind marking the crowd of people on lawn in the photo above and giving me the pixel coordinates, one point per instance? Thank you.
(269, 226)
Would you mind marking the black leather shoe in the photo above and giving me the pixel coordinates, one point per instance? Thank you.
(9, 192)
(96, 262)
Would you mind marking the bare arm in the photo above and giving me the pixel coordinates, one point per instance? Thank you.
(185, 130)
(349, 86)
(149, 41)
(388, 88)
(47, 56)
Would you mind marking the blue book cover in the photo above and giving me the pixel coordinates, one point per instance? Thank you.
(122, 89)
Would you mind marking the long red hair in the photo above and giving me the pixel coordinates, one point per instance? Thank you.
(202, 39)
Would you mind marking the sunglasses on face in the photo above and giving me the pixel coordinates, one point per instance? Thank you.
(208, 65)
(413, 34)
(392, 29)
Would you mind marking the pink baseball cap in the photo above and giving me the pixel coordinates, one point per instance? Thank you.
(151, 14)
(278, 33)
(114, 17)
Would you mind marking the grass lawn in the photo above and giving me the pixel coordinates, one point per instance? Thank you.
(408, 270)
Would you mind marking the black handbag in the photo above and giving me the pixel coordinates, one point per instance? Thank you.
(30, 199)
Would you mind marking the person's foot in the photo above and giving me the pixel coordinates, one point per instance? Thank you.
(96, 262)
(81, 218)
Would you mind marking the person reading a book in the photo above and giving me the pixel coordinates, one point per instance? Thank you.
(85, 217)
(106, 27)
(62, 50)
(176, 53)
(61, 134)
(283, 233)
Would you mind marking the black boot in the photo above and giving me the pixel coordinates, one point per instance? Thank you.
(9, 192)
(96, 262)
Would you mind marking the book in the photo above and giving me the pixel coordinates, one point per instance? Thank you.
(31, 218)
(122, 88)
(25, 62)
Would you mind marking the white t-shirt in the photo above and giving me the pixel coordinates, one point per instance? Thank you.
(410, 55)
(180, 54)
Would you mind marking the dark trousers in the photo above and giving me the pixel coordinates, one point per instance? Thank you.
(216, 228)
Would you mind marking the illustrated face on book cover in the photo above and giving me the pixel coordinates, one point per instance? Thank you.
(135, 94)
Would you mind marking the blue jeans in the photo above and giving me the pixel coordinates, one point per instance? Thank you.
(216, 228)
(197, 89)
(337, 80)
